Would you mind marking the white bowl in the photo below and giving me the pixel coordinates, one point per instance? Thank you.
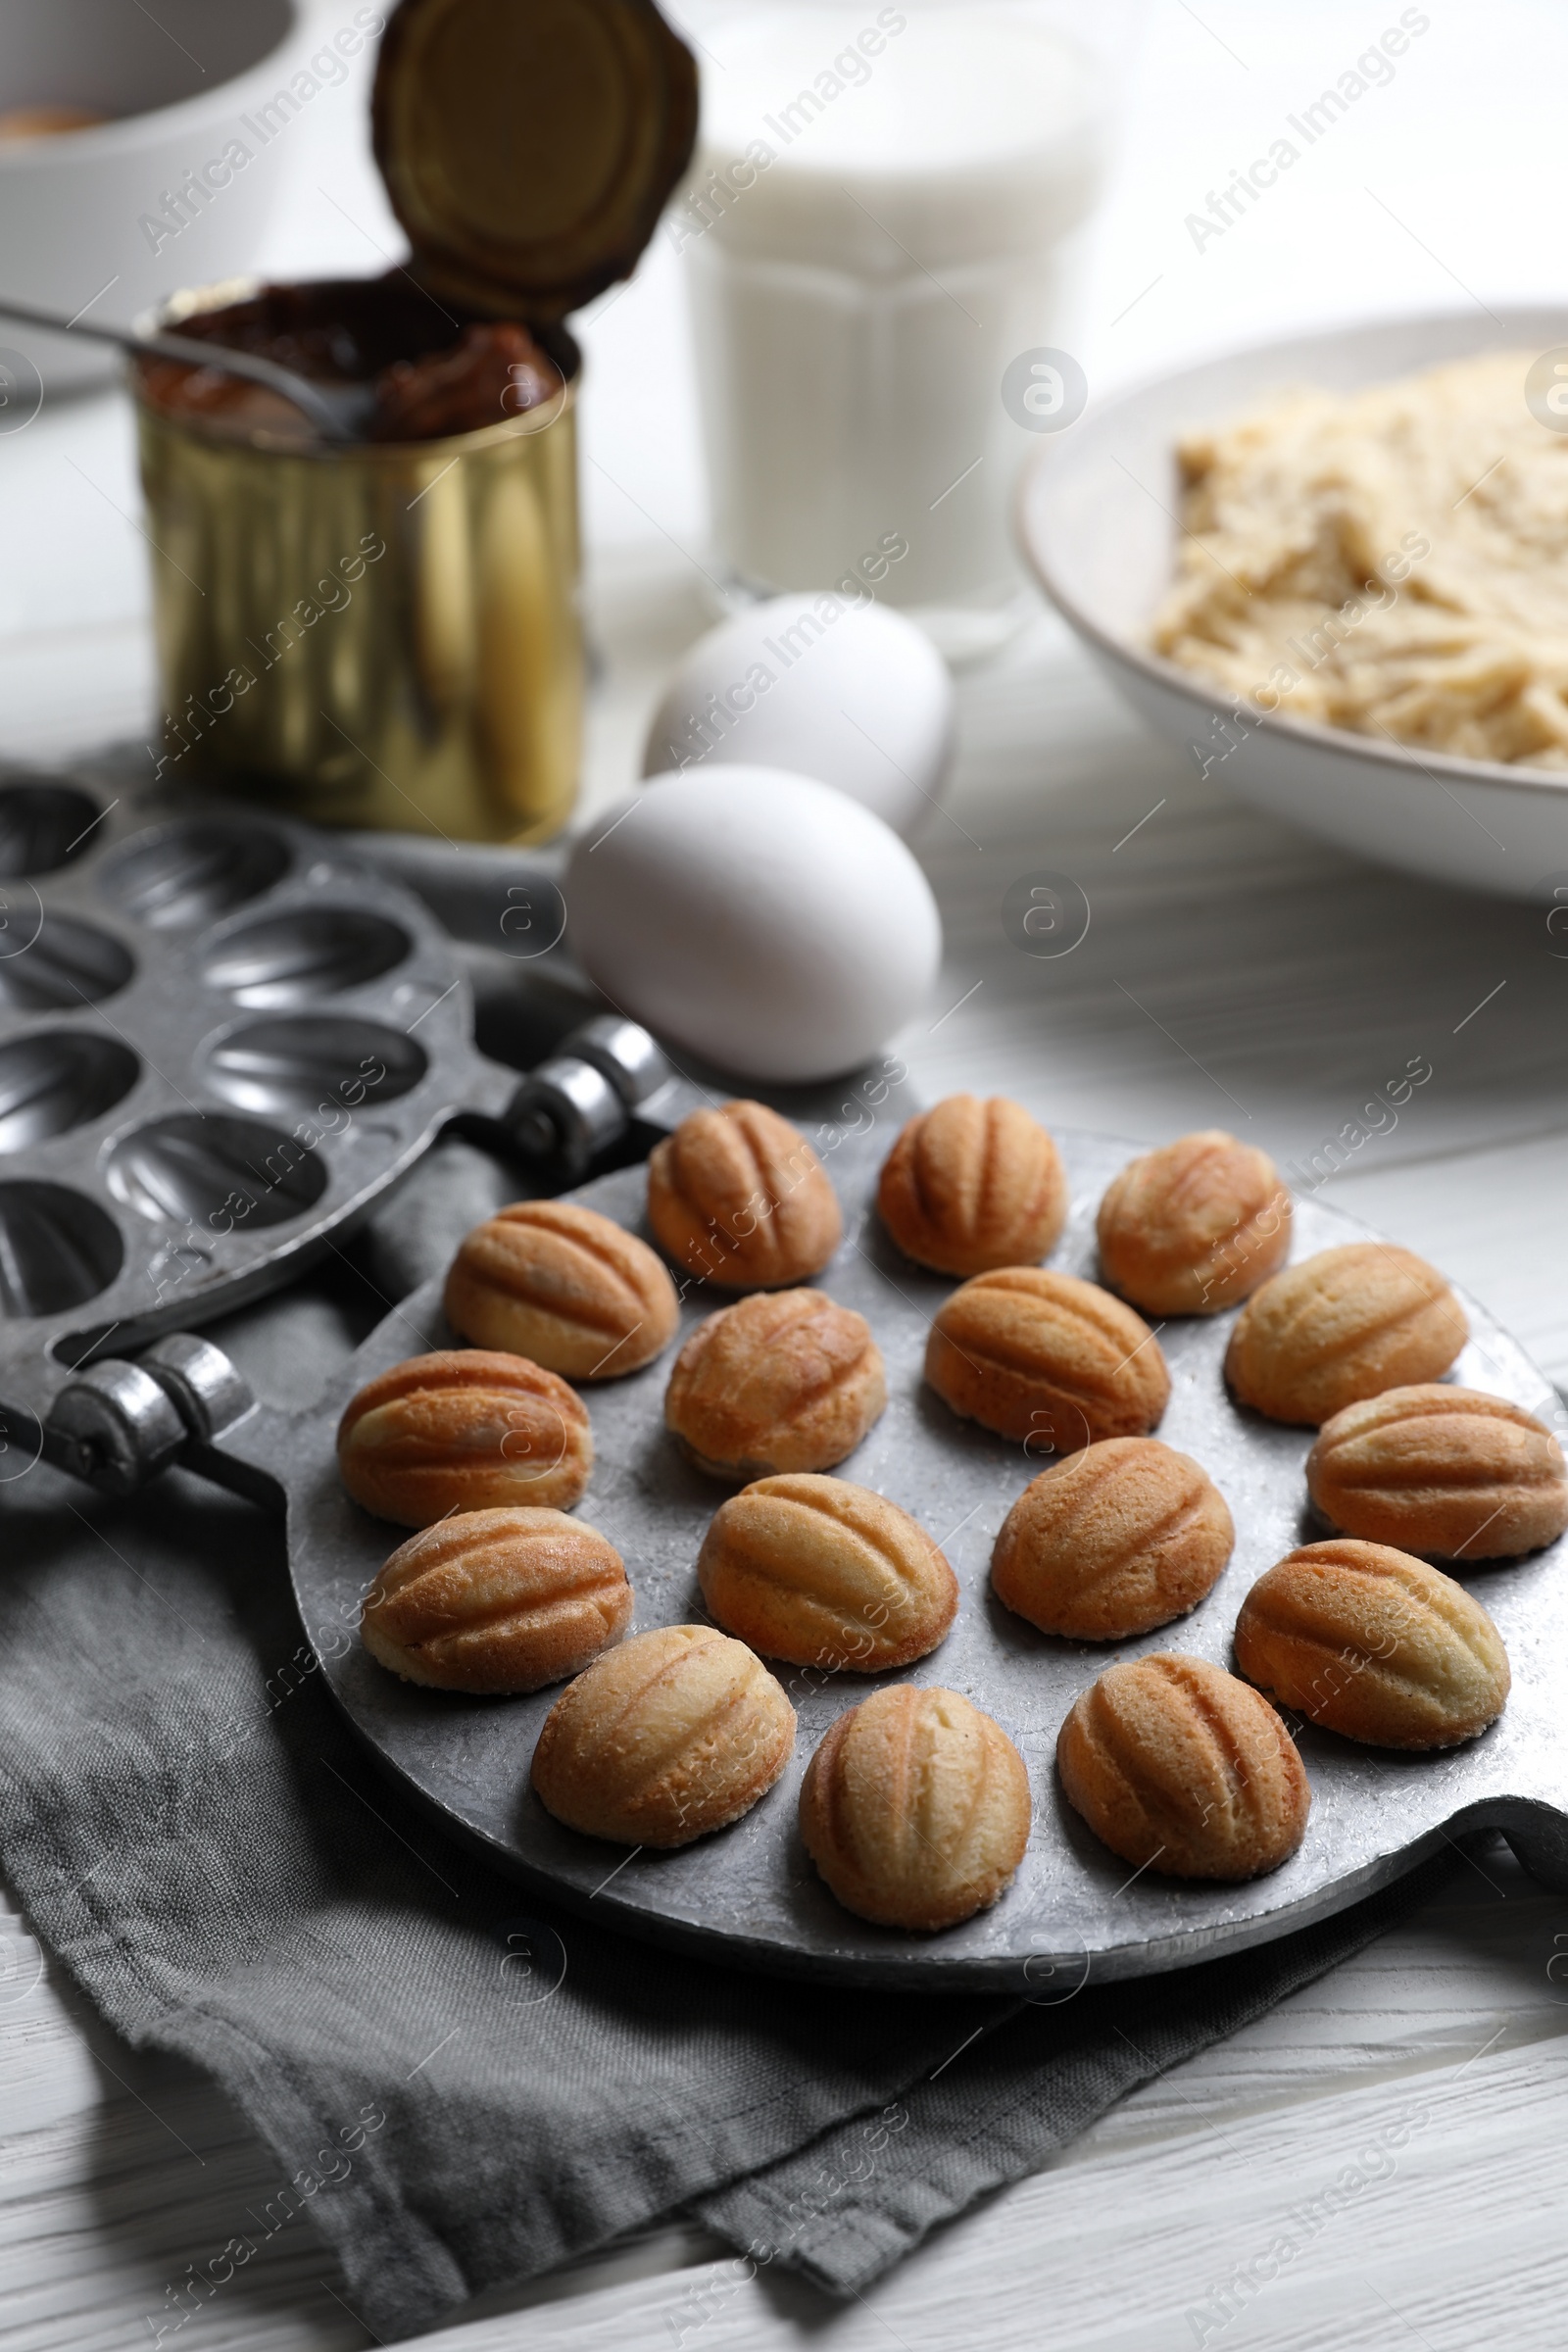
(79, 212)
(1096, 517)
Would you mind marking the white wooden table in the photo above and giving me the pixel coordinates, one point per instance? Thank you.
(1233, 974)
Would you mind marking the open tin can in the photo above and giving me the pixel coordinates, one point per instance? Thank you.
(385, 633)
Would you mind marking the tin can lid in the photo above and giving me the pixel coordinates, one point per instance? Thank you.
(528, 146)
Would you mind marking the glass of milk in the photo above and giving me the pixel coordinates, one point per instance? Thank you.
(873, 234)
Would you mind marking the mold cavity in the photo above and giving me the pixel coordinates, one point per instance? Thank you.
(68, 964)
(225, 1174)
(195, 872)
(311, 1063)
(294, 959)
(59, 1080)
(42, 826)
(56, 1248)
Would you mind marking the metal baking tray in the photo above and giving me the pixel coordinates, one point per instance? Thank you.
(750, 1895)
(222, 1037)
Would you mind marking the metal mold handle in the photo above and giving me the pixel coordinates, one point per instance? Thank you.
(114, 1426)
(203, 1386)
(582, 1100)
(117, 1424)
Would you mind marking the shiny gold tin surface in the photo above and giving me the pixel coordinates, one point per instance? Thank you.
(379, 635)
(529, 146)
(386, 634)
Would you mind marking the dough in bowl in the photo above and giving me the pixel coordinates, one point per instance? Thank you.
(1393, 560)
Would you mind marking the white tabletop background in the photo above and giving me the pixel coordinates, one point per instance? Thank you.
(1234, 974)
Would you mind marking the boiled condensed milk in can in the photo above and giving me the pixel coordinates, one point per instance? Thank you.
(384, 632)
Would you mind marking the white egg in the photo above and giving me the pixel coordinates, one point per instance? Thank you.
(850, 694)
(761, 920)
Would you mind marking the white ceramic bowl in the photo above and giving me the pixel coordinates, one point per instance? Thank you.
(79, 212)
(1097, 518)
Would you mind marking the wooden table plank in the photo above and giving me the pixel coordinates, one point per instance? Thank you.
(1453, 2015)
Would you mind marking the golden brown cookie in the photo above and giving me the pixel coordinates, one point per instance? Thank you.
(1046, 1359)
(561, 1284)
(737, 1197)
(1340, 1326)
(1117, 1539)
(1194, 1226)
(1441, 1470)
(497, 1601)
(785, 1379)
(969, 1185)
(826, 1574)
(465, 1428)
(673, 1734)
(1180, 1769)
(1371, 1643)
(915, 1808)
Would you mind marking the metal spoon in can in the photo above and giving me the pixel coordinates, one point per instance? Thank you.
(338, 412)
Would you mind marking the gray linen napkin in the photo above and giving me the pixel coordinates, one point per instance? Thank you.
(464, 2087)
